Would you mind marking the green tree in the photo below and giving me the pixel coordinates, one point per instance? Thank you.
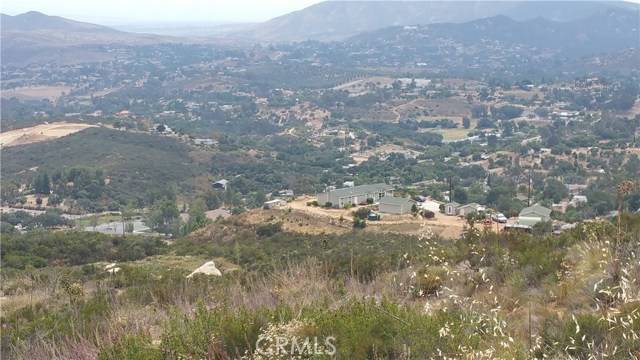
(197, 216)
(554, 190)
(164, 216)
(466, 122)
(42, 184)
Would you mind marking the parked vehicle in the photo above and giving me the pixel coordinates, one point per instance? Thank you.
(499, 217)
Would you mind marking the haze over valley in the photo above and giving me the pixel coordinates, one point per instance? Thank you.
(383, 179)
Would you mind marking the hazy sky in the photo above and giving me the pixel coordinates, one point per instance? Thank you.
(155, 11)
(118, 12)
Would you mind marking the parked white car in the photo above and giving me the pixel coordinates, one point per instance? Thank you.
(499, 217)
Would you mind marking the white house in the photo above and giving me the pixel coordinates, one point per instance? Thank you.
(275, 203)
(451, 208)
(431, 205)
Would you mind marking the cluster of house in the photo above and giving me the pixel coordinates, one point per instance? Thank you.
(279, 199)
(380, 193)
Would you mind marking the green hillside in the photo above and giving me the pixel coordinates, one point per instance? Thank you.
(133, 163)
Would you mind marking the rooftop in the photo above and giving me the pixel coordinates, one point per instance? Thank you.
(537, 209)
(392, 200)
(361, 189)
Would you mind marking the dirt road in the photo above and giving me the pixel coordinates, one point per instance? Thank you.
(446, 226)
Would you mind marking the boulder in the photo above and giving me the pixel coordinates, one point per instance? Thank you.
(208, 268)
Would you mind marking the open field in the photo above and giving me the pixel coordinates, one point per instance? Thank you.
(39, 133)
(451, 134)
(454, 134)
(365, 85)
(448, 107)
(524, 94)
(36, 92)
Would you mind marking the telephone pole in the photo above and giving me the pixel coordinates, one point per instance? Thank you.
(529, 191)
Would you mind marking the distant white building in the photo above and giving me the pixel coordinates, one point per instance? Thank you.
(355, 195)
(221, 184)
(275, 203)
(395, 205)
(431, 205)
(578, 200)
(471, 208)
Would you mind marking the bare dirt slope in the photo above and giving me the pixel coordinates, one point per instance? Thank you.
(39, 133)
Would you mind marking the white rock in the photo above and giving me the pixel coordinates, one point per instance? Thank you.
(208, 268)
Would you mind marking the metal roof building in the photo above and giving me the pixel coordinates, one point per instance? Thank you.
(355, 195)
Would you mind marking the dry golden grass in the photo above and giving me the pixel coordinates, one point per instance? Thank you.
(37, 92)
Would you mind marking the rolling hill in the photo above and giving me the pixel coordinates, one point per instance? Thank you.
(135, 162)
(37, 37)
(610, 30)
(337, 20)
(37, 21)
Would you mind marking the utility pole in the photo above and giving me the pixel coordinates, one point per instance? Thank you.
(450, 189)
(529, 191)
(530, 340)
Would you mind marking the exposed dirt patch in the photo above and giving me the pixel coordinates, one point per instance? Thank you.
(298, 221)
(39, 133)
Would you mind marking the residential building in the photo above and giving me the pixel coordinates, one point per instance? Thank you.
(578, 200)
(355, 195)
(395, 205)
(287, 193)
(451, 208)
(576, 189)
(464, 210)
(275, 203)
(532, 215)
(431, 205)
(560, 207)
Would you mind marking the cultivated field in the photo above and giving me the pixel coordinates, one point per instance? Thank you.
(39, 133)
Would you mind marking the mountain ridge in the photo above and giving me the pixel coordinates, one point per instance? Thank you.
(37, 21)
(338, 20)
(37, 37)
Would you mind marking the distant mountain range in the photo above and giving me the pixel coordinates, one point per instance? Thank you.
(337, 20)
(33, 35)
(578, 26)
(611, 30)
(37, 21)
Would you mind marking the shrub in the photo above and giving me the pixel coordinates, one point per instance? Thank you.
(428, 214)
(130, 347)
(362, 213)
(359, 223)
(429, 280)
(269, 229)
